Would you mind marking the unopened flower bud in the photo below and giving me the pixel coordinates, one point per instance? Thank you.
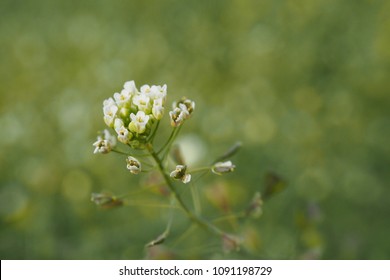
(231, 243)
(106, 200)
(133, 165)
(223, 167)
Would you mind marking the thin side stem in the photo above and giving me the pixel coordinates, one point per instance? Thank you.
(161, 238)
(135, 204)
(199, 169)
(168, 148)
(195, 198)
(151, 138)
(120, 152)
(171, 137)
(199, 221)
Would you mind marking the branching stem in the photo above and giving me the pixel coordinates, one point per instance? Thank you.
(192, 216)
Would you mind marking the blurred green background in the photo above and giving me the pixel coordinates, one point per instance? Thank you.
(304, 85)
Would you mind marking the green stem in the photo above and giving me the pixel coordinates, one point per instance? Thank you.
(171, 137)
(151, 138)
(129, 154)
(150, 205)
(199, 221)
(161, 238)
(184, 235)
(120, 152)
(231, 216)
(199, 169)
(168, 148)
(195, 198)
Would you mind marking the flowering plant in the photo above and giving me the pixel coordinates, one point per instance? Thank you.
(135, 116)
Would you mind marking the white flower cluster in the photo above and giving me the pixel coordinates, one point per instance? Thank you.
(182, 110)
(131, 112)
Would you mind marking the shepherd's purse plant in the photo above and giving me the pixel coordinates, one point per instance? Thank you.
(133, 118)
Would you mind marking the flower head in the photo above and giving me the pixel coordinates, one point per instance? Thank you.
(109, 110)
(124, 135)
(158, 108)
(130, 87)
(177, 117)
(158, 92)
(186, 105)
(132, 113)
(182, 110)
(133, 165)
(108, 102)
(122, 99)
(105, 143)
(180, 174)
(138, 122)
(143, 102)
